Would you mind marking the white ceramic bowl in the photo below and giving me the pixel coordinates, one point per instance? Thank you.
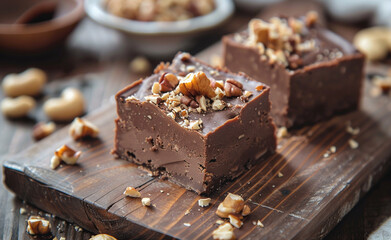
(160, 38)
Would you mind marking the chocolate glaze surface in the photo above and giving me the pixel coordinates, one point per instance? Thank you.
(229, 142)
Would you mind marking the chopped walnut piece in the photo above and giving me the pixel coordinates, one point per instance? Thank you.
(224, 232)
(188, 101)
(246, 210)
(218, 105)
(201, 102)
(161, 66)
(81, 128)
(204, 202)
(37, 225)
(168, 82)
(217, 84)
(311, 18)
(279, 174)
(132, 192)
(232, 204)
(153, 99)
(67, 154)
(195, 124)
(42, 130)
(131, 98)
(235, 221)
(195, 84)
(102, 237)
(296, 25)
(156, 88)
(259, 31)
(146, 202)
(232, 88)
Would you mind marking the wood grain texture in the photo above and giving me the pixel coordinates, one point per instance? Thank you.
(311, 197)
(101, 54)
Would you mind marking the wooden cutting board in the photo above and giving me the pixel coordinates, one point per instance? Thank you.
(301, 192)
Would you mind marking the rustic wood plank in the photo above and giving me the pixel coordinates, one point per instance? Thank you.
(313, 194)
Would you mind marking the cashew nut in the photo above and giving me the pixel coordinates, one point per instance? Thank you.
(17, 107)
(374, 42)
(29, 82)
(67, 107)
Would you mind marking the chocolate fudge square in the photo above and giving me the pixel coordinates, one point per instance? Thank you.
(195, 124)
(312, 72)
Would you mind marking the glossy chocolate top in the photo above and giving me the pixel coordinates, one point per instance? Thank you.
(190, 115)
(297, 43)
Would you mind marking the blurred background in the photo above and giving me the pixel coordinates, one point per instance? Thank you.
(100, 46)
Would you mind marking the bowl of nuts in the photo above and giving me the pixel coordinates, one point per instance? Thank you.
(160, 27)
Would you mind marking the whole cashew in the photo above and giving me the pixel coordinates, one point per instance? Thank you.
(17, 107)
(67, 107)
(29, 82)
(374, 42)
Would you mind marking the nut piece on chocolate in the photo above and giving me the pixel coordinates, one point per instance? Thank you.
(313, 73)
(203, 127)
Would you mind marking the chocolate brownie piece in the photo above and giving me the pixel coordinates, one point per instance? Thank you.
(313, 73)
(198, 125)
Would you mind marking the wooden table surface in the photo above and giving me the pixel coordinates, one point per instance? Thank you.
(96, 60)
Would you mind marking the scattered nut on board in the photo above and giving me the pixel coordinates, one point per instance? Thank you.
(132, 192)
(66, 154)
(224, 232)
(38, 226)
(67, 107)
(140, 65)
(232, 204)
(42, 130)
(17, 107)
(29, 82)
(81, 128)
(235, 220)
(146, 202)
(246, 210)
(374, 42)
(282, 132)
(204, 202)
(102, 237)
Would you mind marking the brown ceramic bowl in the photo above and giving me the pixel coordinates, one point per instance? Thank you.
(31, 26)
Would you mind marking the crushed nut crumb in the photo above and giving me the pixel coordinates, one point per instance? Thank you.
(353, 144)
(260, 224)
(224, 232)
(132, 192)
(204, 202)
(146, 202)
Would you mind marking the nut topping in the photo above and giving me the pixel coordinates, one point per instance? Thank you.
(81, 128)
(168, 82)
(42, 130)
(233, 88)
(38, 226)
(189, 102)
(67, 154)
(232, 204)
(196, 84)
(224, 232)
(132, 192)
